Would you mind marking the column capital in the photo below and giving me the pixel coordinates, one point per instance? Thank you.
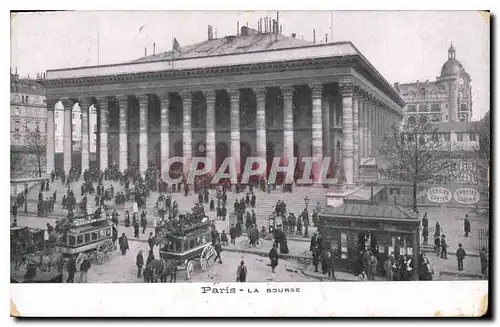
(260, 92)
(102, 101)
(316, 90)
(234, 94)
(186, 96)
(142, 98)
(84, 102)
(209, 96)
(287, 91)
(67, 103)
(164, 97)
(346, 88)
(51, 103)
(121, 98)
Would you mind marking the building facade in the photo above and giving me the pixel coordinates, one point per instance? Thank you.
(446, 99)
(253, 94)
(28, 111)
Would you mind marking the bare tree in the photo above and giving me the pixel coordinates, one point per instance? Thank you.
(415, 153)
(36, 143)
(483, 129)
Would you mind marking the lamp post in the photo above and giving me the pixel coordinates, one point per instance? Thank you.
(306, 217)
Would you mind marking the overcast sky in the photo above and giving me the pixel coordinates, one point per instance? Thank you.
(404, 46)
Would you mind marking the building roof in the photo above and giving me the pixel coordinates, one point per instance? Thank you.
(25, 85)
(451, 67)
(246, 42)
(368, 211)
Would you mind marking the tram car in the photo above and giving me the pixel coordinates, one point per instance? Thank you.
(185, 245)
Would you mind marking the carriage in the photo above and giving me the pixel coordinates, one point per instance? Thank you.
(185, 245)
(85, 237)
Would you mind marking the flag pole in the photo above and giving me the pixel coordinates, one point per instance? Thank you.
(97, 46)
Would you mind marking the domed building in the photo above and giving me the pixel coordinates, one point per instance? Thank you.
(447, 99)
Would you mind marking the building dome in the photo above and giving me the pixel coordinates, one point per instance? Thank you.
(452, 66)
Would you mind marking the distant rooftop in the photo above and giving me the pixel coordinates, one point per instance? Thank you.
(374, 211)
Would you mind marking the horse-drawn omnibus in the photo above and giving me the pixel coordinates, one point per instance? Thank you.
(184, 245)
(82, 237)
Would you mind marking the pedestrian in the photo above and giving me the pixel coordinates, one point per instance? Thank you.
(241, 273)
(151, 241)
(14, 211)
(484, 261)
(223, 238)
(273, 256)
(139, 262)
(14, 223)
(123, 244)
(460, 257)
(232, 234)
(373, 262)
(437, 244)
(425, 234)
(151, 257)
(71, 269)
(444, 247)
(84, 268)
(466, 226)
(218, 250)
(144, 222)
(136, 228)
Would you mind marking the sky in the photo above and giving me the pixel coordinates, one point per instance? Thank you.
(404, 46)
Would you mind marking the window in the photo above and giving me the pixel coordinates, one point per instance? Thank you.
(435, 107)
(411, 108)
(102, 232)
(463, 107)
(87, 238)
(460, 137)
(108, 231)
(472, 136)
(17, 126)
(423, 108)
(95, 236)
(410, 138)
(411, 120)
(79, 239)
(71, 240)
(27, 101)
(447, 137)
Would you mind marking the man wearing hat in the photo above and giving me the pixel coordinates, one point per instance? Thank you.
(139, 262)
(460, 257)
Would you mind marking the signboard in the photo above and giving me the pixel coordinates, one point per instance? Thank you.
(439, 195)
(466, 196)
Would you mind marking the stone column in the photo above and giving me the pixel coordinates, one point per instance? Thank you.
(287, 122)
(51, 149)
(346, 89)
(123, 132)
(164, 133)
(210, 143)
(143, 132)
(327, 144)
(84, 106)
(366, 130)
(317, 128)
(187, 137)
(103, 145)
(234, 97)
(67, 134)
(260, 124)
(355, 128)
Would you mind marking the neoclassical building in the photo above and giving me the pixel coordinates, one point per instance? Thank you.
(253, 94)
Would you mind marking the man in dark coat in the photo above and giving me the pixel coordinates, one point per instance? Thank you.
(123, 244)
(151, 241)
(14, 211)
(460, 257)
(144, 222)
(444, 248)
(139, 262)
(223, 238)
(71, 269)
(223, 212)
(241, 273)
(218, 250)
(273, 256)
(466, 226)
(151, 257)
(232, 233)
(484, 261)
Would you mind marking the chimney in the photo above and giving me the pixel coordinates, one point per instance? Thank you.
(294, 35)
(278, 22)
(246, 24)
(326, 38)
(265, 24)
(145, 51)
(216, 33)
(260, 26)
(154, 48)
(314, 35)
(44, 75)
(209, 31)
(281, 29)
(269, 25)
(237, 28)
(273, 29)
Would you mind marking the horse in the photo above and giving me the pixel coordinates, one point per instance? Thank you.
(45, 261)
(158, 271)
